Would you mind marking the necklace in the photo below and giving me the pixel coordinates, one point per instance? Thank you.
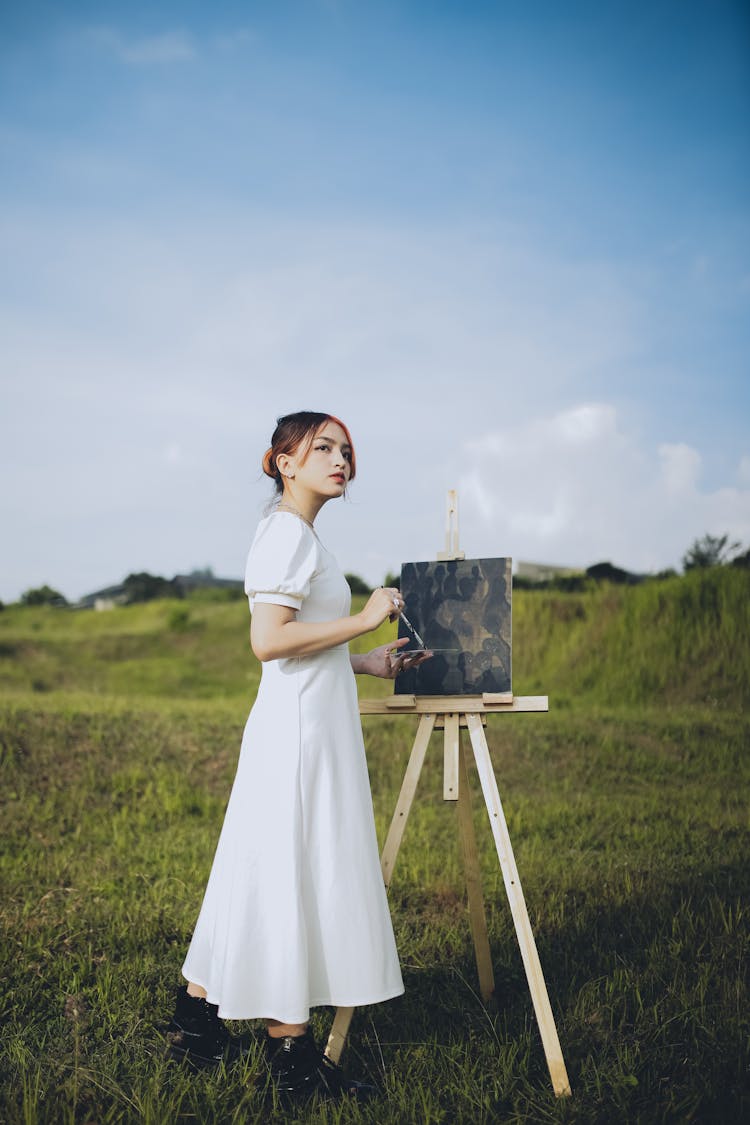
(284, 507)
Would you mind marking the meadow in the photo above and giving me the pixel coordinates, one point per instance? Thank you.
(628, 810)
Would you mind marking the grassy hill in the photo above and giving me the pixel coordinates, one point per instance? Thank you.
(682, 640)
(677, 641)
(627, 807)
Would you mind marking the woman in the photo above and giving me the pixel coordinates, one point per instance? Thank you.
(295, 913)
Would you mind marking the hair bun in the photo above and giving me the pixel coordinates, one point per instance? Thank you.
(269, 466)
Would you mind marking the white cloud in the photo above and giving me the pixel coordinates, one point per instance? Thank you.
(585, 425)
(232, 40)
(173, 454)
(154, 50)
(578, 487)
(146, 367)
(680, 468)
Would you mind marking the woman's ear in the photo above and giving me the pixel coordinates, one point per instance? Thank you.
(285, 465)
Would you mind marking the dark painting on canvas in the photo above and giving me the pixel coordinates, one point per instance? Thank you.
(462, 610)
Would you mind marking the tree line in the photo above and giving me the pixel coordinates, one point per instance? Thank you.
(707, 551)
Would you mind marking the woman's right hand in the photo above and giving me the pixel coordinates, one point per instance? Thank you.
(385, 602)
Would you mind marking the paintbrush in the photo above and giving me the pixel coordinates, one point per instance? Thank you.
(409, 625)
(412, 630)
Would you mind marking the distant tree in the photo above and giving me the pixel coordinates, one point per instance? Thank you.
(521, 583)
(392, 580)
(357, 585)
(711, 550)
(144, 587)
(607, 572)
(43, 595)
(565, 583)
(661, 575)
(742, 560)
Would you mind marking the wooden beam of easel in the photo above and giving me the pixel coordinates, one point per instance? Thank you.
(472, 874)
(471, 716)
(452, 549)
(534, 975)
(445, 704)
(405, 798)
(450, 758)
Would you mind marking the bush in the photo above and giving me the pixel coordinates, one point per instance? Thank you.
(711, 550)
(179, 618)
(145, 587)
(521, 583)
(43, 595)
(608, 572)
(357, 585)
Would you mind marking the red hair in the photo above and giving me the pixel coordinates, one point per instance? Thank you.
(295, 430)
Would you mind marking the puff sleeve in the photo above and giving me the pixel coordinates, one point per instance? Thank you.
(281, 562)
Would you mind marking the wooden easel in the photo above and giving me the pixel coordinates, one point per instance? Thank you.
(451, 714)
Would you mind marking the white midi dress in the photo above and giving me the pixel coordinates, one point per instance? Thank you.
(295, 912)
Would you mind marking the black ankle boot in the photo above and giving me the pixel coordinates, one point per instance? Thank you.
(299, 1069)
(198, 1035)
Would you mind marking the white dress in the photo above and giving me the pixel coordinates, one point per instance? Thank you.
(295, 912)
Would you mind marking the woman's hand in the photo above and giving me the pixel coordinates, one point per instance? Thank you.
(386, 661)
(385, 603)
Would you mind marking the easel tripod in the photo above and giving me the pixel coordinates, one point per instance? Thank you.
(452, 713)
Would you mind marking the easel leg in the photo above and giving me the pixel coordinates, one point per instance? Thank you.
(477, 918)
(338, 1033)
(340, 1027)
(405, 797)
(537, 986)
(450, 758)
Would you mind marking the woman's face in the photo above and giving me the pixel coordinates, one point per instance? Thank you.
(326, 468)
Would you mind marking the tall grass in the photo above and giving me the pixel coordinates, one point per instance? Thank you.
(626, 804)
(677, 641)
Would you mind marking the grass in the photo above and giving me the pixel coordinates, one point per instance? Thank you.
(676, 641)
(629, 820)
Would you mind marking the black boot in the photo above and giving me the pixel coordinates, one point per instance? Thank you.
(299, 1069)
(198, 1035)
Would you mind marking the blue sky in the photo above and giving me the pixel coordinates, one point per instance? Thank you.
(508, 243)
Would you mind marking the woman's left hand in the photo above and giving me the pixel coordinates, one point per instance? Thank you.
(386, 661)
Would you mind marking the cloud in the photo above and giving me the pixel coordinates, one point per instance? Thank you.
(237, 38)
(153, 50)
(577, 487)
(173, 455)
(146, 366)
(680, 468)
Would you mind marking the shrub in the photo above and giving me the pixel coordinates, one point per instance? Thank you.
(179, 618)
(43, 595)
(608, 572)
(357, 585)
(145, 587)
(711, 550)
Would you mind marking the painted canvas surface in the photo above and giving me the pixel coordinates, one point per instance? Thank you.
(462, 606)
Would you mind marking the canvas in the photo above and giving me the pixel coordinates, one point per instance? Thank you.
(463, 606)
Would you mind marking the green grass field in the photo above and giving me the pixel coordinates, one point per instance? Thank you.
(627, 805)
